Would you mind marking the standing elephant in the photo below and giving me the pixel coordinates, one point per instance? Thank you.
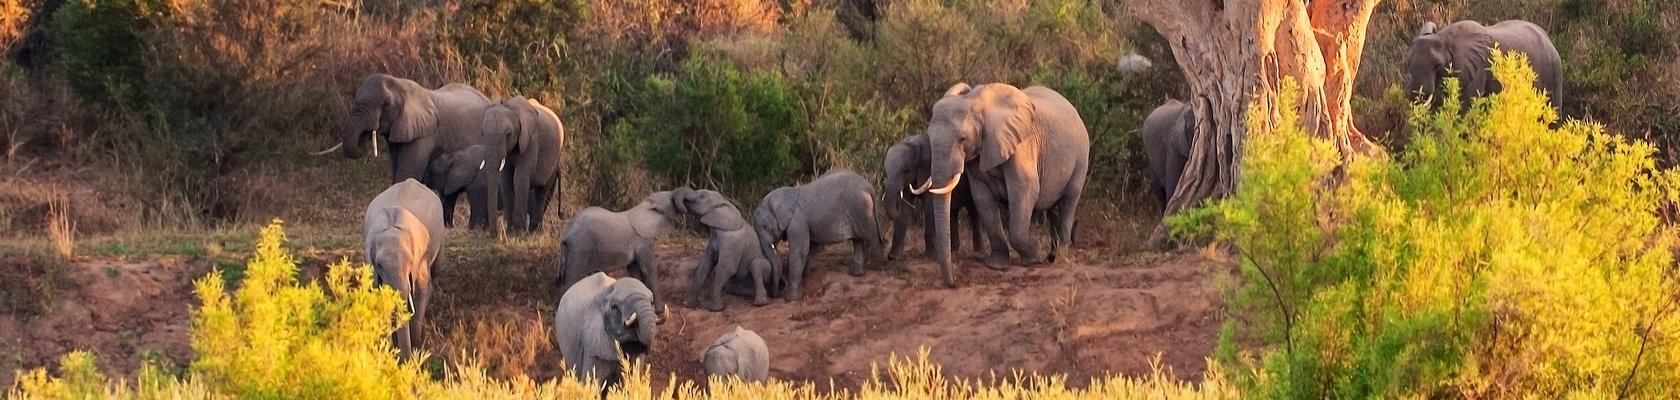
(599, 240)
(599, 316)
(836, 207)
(418, 123)
(907, 163)
(1167, 135)
(732, 251)
(739, 353)
(1464, 49)
(403, 234)
(532, 136)
(1027, 149)
(472, 171)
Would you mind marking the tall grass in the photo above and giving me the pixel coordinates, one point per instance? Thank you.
(61, 229)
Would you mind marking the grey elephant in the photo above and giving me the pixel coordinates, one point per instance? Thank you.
(906, 165)
(598, 240)
(1167, 135)
(403, 235)
(469, 171)
(739, 353)
(418, 123)
(532, 136)
(1464, 49)
(732, 251)
(601, 320)
(1027, 149)
(838, 206)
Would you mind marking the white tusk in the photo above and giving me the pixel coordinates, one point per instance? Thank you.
(924, 187)
(410, 302)
(329, 150)
(480, 164)
(948, 188)
(630, 320)
(375, 143)
(502, 165)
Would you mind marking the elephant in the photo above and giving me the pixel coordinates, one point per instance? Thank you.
(1167, 135)
(471, 170)
(907, 162)
(403, 236)
(732, 252)
(1463, 49)
(599, 240)
(739, 353)
(419, 124)
(836, 207)
(596, 319)
(1027, 149)
(533, 137)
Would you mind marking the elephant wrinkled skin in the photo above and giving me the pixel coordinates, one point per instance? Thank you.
(599, 240)
(732, 252)
(836, 207)
(403, 236)
(1464, 49)
(739, 353)
(599, 316)
(1167, 135)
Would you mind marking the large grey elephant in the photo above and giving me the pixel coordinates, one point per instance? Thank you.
(1167, 135)
(732, 252)
(533, 137)
(1464, 49)
(739, 353)
(471, 171)
(836, 207)
(598, 240)
(907, 164)
(598, 317)
(418, 123)
(1023, 150)
(403, 235)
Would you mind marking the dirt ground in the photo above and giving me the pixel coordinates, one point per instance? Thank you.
(1100, 314)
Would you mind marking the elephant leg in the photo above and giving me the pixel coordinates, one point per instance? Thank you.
(727, 264)
(702, 270)
(929, 226)
(1025, 195)
(990, 210)
(760, 274)
(449, 201)
(519, 202)
(540, 203)
(975, 239)
(411, 160)
(899, 226)
(647, 269)
(799, 247)
(1063, 215)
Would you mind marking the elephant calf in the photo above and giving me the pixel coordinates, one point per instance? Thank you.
(472, 170)
(598, 317)
(908, 163)
(836, 207)
(739, 353)
(404, 233)
(599, 240)
(1167, 135)
(731, 253)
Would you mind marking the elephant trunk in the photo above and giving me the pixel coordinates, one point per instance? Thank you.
(647, 329)
(391, 275)
(942, 236)
(357, 131)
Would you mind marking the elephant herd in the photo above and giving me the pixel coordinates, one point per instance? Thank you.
(995, 152)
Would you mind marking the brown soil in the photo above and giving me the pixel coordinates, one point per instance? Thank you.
(1100, 315)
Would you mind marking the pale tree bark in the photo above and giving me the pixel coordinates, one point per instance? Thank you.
(1237, 52)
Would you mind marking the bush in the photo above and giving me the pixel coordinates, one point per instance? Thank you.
(1497, 256)
(99, 45)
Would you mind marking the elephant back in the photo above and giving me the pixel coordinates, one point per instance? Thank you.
(420, 201)
(574, 316)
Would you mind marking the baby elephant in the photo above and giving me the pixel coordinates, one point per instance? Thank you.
(739, 353)
(599, 316)
(404, 233)
(732, 252)
(836, 207)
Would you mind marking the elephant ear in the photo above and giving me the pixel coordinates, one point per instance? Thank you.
(414, 115)
(717, 212)
(652, 223)
(957, 90)
(525, 137)
(1471, 52)
(1427, 29)
(1008, 121)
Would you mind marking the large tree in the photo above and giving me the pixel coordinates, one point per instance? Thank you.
(1236, 52)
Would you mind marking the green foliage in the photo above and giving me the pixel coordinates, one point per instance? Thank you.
(99, 45)
(1497, 256)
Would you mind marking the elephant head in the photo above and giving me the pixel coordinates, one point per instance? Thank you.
(771, 220)
(982, 124)
(396, 246)
(398, 108)
(471, 168)
(1458, 51)
(906, 165)
(628, 316)
(714, 209)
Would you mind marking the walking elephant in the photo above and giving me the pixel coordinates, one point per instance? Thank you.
(532, 136)
(1464, 49)
(836, 207)
(1167, 135)
(1023, 150)
(739, 353)
(732, 252)
(418, 123)
(598, 317)
(599, 240)
(906, 164)
(403, 235)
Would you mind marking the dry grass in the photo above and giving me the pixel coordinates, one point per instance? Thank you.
(60, 229)
(503, 345)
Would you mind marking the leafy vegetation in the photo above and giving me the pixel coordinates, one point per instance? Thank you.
(1497, 256)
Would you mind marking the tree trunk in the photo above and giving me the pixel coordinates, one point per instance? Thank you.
(1234, 52)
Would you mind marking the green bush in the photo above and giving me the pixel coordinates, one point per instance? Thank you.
(1495, 257)
(99, 45)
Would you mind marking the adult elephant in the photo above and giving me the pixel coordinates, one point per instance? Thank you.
(403, 235)
(906, 164)
(601, 320)
(838, 206)
(1023, 150)
(1167, 134)
(1463, 49)
(418, 123)
(533, 137)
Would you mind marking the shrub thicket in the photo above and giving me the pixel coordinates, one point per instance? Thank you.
(1497, 256)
